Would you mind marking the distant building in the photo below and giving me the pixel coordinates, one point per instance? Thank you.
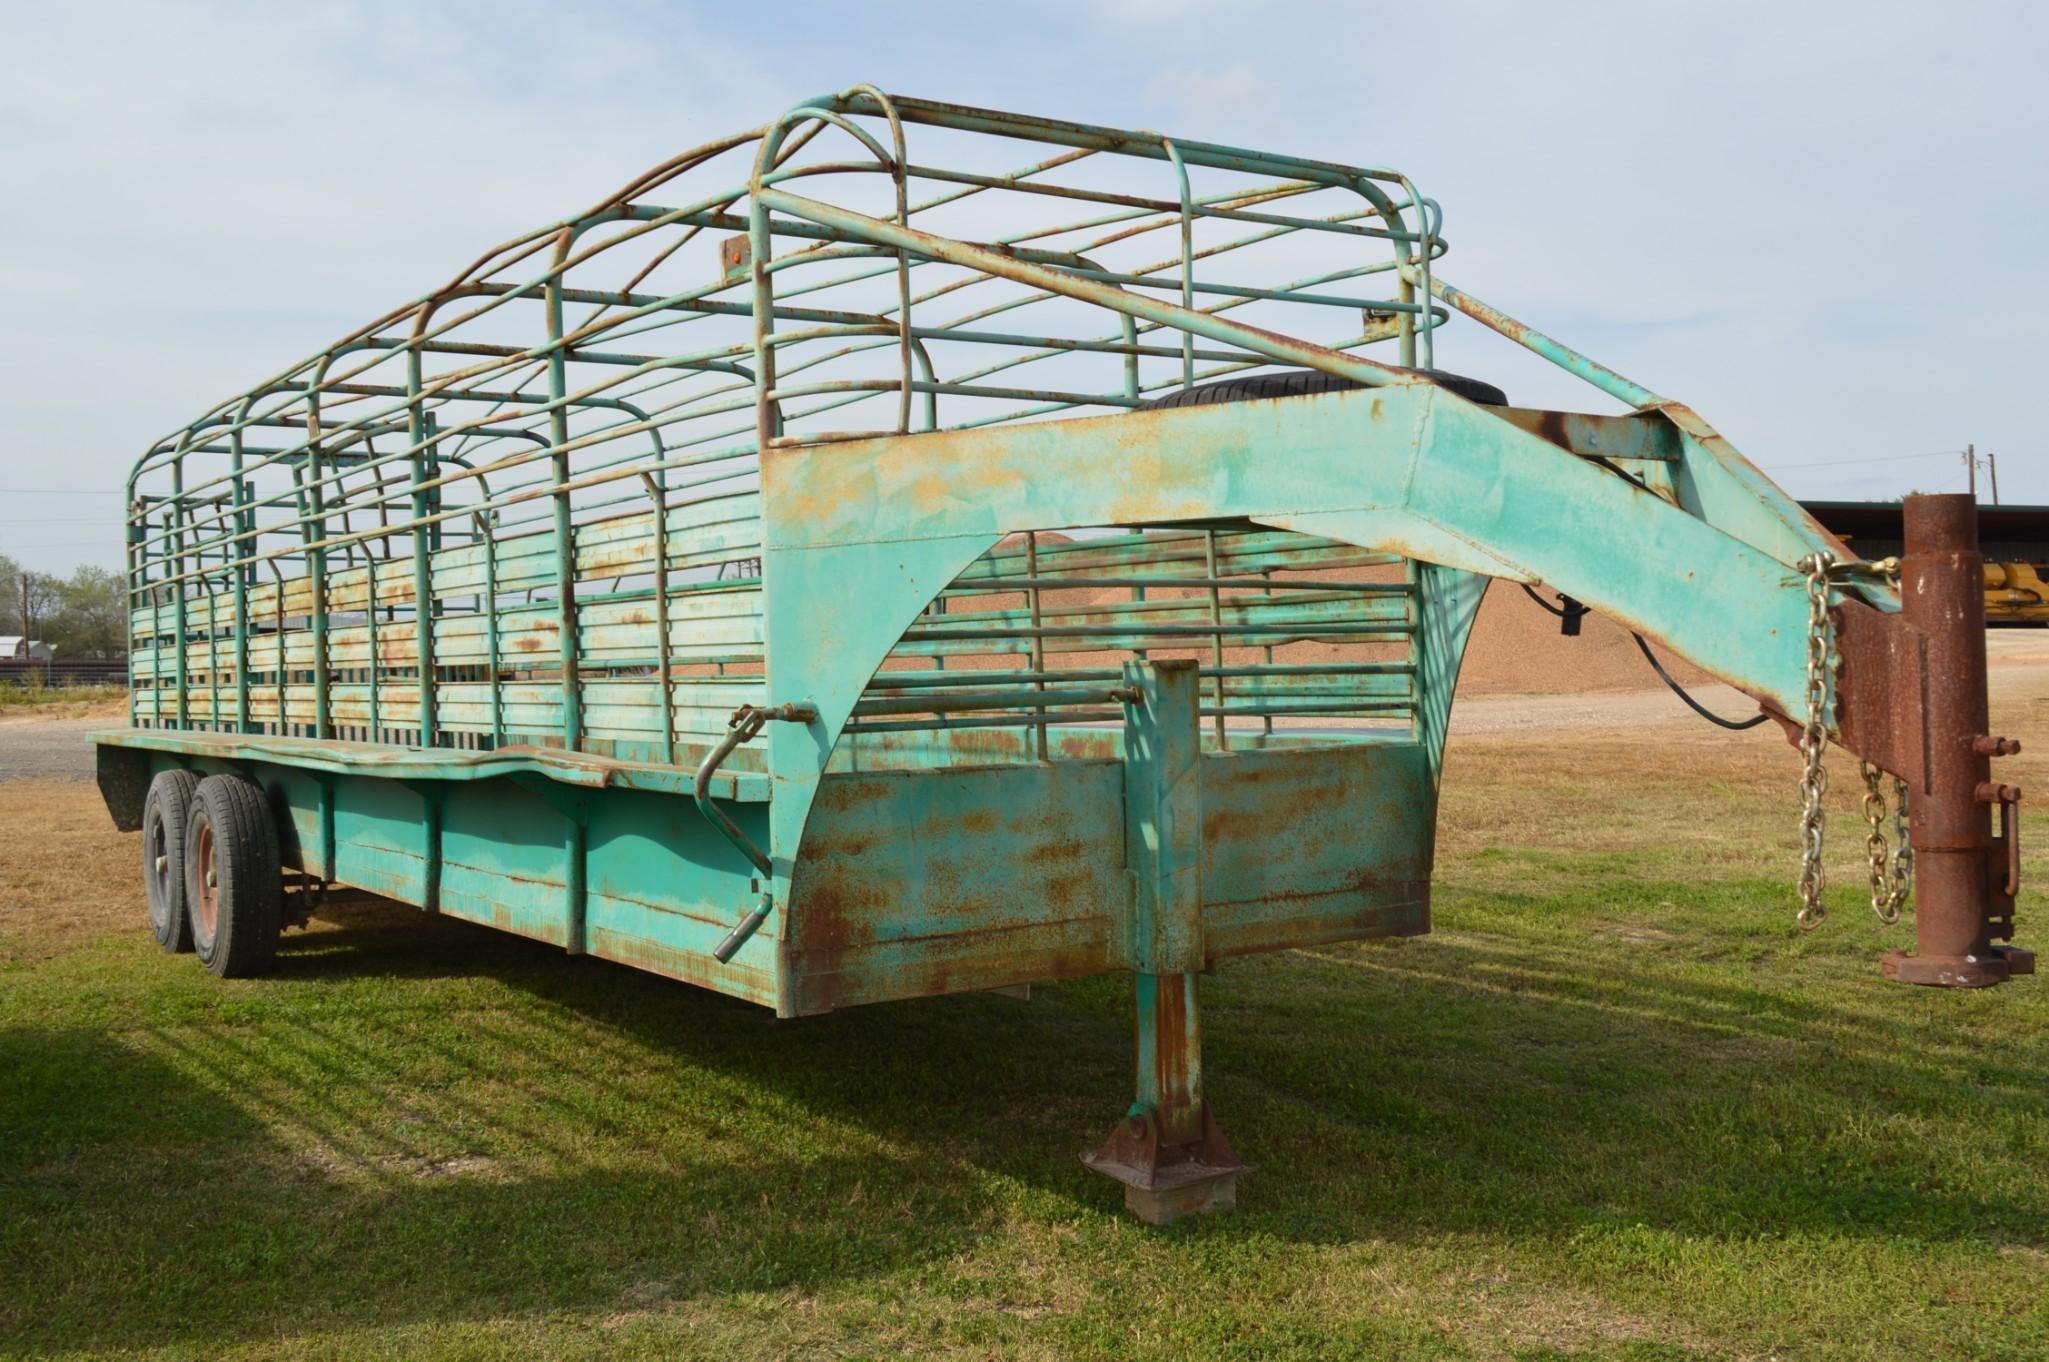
(19, 649)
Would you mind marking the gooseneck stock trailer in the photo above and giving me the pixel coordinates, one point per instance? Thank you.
(908, 549)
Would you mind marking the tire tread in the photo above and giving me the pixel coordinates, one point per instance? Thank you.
(176, 788)
(251, 894)
(1304, 382)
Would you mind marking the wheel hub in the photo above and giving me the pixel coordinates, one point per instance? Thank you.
(207, 900)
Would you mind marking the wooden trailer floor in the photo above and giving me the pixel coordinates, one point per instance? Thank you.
(1614, 1108)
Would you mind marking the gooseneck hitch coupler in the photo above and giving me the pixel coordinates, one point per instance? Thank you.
(1911, 698)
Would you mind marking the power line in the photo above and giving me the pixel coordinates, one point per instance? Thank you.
(1883, 458)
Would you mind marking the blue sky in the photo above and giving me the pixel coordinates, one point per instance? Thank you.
(1819, 224)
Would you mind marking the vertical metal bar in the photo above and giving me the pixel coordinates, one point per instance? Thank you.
(244, 549)
(487, 526)
(433, 507)
(767, 421)
(1266, 721)
(316, 572)
(1129, 331)
(1038, 653)
(1216, 617)
(134, 579)
(899, 175)
(373, 553)
(420, 429)
(1405, 321)
(280, 728)
(565, 534)
(370, 622)
(661, 565)
(1187, 262)
(1131, 381)
(903, 279)
(178, 573)
(213, 647)
(1424, 235)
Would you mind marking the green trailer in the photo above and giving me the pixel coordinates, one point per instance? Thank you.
(906, 549)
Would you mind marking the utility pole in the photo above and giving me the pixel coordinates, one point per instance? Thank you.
(1971, 468)
(1992, 467)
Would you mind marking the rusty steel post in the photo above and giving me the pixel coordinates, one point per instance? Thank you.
(1965, 876)
(1168, 1150)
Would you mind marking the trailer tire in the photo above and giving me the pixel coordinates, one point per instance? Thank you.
(165, 810)
(1302, 382)
(233, 877)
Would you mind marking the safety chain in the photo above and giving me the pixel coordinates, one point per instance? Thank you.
(1902, 849)
(1892, 868)
(1900, 874)
(1813, 740)
(1891, 865)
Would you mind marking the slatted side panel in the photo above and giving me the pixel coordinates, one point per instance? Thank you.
(497, 621)
(1288, 629)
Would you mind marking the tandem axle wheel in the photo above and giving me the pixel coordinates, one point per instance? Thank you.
(211, 870)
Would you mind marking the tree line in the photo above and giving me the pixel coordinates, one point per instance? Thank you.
(84, 615)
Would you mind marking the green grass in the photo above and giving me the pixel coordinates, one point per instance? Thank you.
(13, 697)
(1615, 1108)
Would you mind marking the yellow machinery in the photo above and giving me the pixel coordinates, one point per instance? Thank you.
(2014, 539)
(2016, 594)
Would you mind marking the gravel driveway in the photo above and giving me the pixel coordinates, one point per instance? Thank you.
(43, 749)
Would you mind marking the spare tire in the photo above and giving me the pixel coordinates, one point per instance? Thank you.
(1302, 382)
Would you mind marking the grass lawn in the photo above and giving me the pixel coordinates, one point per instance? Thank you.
(22, 699)
(1616, 1107)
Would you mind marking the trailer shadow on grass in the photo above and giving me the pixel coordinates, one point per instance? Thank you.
(414, 1121)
